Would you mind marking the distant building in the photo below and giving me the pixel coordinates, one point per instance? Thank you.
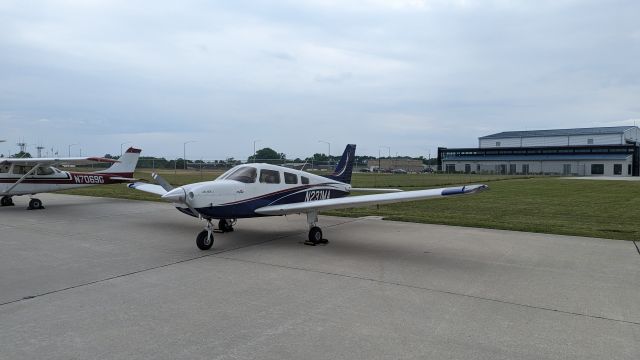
(410, 165)
(612, 151)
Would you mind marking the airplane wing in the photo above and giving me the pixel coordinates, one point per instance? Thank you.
(379, 190)
(54, 161)
(150, 188)
(368, 200)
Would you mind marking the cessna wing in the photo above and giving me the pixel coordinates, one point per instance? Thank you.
(367, 200)
(55, 161)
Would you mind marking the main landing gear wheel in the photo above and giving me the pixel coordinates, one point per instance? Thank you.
(205, 240)
(35, 204)
(6, 201)
(315, 237)
(225, 225)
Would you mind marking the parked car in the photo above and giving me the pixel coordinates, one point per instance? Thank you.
(399, 171)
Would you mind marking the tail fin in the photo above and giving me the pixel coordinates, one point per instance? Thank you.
(126, 164)
(344, 168)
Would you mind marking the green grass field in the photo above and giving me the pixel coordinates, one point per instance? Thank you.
(606, 209)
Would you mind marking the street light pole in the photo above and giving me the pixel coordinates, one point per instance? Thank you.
(328, 143)
(184, 152)
(124, 143)
(70, 148)
(254, 149)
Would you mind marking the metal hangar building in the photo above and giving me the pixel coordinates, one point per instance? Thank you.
(609, 151)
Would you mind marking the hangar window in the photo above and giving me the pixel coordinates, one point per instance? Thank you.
(245, 175)
(589, 141)
(497, 143)
(597, 169)
(290, 178)
(305, 180)
(269, 176)
(617, 169)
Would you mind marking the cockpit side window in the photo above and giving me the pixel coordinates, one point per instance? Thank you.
(21, 170)
(305, 180)
(290, 178)
(5, 168)
(269, 176)
(246, 174)
(44, 171)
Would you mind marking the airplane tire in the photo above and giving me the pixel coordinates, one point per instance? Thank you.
(35, 204)
(225, 226)
(315, 235)
(204, 241)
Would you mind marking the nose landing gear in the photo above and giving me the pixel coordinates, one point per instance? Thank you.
(6, 201)
(204, 240)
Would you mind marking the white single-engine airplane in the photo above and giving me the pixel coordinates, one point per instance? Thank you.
(29, 176)
(255, 190)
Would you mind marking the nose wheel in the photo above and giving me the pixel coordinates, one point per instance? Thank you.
(6, 201)
(35, 204)
(204, 240)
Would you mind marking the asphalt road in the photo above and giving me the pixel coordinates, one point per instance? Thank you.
(91, 278)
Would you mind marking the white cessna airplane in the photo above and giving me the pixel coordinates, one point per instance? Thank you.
(255, 190)
(29, 176)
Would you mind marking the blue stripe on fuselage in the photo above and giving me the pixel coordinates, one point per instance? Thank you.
(246, 208)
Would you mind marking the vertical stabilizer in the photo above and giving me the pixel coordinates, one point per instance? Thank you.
(126, 165)
(344, 168)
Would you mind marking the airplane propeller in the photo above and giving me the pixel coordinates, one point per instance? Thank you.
(175, 195)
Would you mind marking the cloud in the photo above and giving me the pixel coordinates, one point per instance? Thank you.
(399, 73)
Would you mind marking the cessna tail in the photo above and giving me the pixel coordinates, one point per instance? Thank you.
(126, 165)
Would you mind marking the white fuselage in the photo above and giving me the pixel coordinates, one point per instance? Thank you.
(241, 190)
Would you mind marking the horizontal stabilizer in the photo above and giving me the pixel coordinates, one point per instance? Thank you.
(119, 178)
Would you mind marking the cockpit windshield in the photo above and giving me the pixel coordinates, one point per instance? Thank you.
(245, 174)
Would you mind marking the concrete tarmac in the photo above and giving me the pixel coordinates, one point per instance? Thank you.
(97, 278)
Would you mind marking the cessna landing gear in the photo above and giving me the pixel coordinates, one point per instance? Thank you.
(226, 225)
(35, 204)
(315, 233)
(204, 241)
(6, 201)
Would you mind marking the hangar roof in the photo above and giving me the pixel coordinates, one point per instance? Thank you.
(549, 157)
(560, 132)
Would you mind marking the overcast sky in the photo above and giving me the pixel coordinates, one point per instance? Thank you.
(408, 74)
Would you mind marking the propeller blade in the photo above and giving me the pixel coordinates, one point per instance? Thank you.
(162, 182)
